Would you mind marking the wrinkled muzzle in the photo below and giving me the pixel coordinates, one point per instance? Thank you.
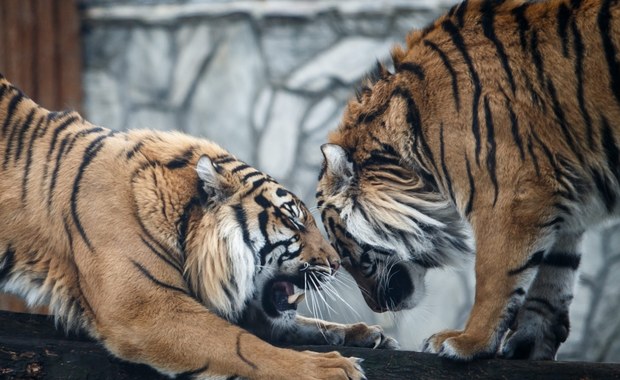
(310, 271)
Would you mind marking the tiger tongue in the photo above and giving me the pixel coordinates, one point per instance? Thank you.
(280, 295)
(296, 298)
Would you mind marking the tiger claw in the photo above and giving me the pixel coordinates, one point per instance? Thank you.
(358, 366)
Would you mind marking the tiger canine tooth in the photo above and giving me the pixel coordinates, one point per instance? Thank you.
(296, 298)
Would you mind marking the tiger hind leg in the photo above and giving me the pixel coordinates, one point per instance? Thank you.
(542, 322)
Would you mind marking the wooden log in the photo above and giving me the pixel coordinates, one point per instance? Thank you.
(31, 348)
(392, 365)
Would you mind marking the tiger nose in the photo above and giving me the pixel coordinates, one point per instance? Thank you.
(334, 265)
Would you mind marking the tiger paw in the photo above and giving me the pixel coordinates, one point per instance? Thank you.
(433, 343)
(363, 335)
(460, 346)
(330, 365)
(535, 338)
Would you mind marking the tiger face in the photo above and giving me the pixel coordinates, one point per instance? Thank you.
(388, 225)
(271, 239)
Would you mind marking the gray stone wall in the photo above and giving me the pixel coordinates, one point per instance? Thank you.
(267, 80)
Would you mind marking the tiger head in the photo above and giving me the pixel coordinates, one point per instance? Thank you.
(253, 244)
(386, 218)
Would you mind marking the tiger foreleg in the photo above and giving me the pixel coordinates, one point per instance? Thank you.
(177, 336)
(337, 334)
(503, 273)
(542, 323)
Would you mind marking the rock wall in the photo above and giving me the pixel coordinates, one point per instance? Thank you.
(267, 80)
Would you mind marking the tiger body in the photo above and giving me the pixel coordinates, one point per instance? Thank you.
(162, 246)
(501, 123)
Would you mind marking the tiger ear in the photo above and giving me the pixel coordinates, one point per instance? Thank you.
(338, 164)
(212, 180)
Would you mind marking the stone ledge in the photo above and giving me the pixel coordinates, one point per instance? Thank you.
(166, 13)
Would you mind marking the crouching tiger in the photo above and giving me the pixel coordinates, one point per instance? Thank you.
(501, 122)
(164, 248)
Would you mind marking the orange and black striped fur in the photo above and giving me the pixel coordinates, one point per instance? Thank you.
(160, 246)
(501, 123)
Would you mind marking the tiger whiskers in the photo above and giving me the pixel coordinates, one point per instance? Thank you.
(315, 297)
(392, 265)
(316, 282)
(349, 283)
(333, 292)
(312, 306)
(384, 281)
(343, 301)
(310, 302)
(329, 293)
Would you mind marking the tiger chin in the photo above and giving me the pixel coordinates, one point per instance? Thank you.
(497, 133)
(165, 248)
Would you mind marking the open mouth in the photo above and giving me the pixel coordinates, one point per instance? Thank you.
(280, 296)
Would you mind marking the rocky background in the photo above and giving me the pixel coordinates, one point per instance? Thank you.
(268, 80)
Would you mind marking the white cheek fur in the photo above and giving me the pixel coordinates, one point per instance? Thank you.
(395, 224)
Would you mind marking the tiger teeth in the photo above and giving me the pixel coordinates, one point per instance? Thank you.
(296, 298)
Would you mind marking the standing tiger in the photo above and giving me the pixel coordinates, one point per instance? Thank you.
(497, 133)
(160, 246)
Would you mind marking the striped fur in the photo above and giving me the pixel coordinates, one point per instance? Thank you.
(500, 125)
(164, 247)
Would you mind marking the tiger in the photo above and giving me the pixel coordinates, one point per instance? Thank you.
(492, 135)
(165, 248)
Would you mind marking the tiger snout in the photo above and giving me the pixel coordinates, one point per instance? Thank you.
(329, 264)
(315, 265)
(392, 294)
(399, 287)
(318, 252)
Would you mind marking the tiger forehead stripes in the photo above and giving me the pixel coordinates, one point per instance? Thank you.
(499, 126)
(165, 248)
